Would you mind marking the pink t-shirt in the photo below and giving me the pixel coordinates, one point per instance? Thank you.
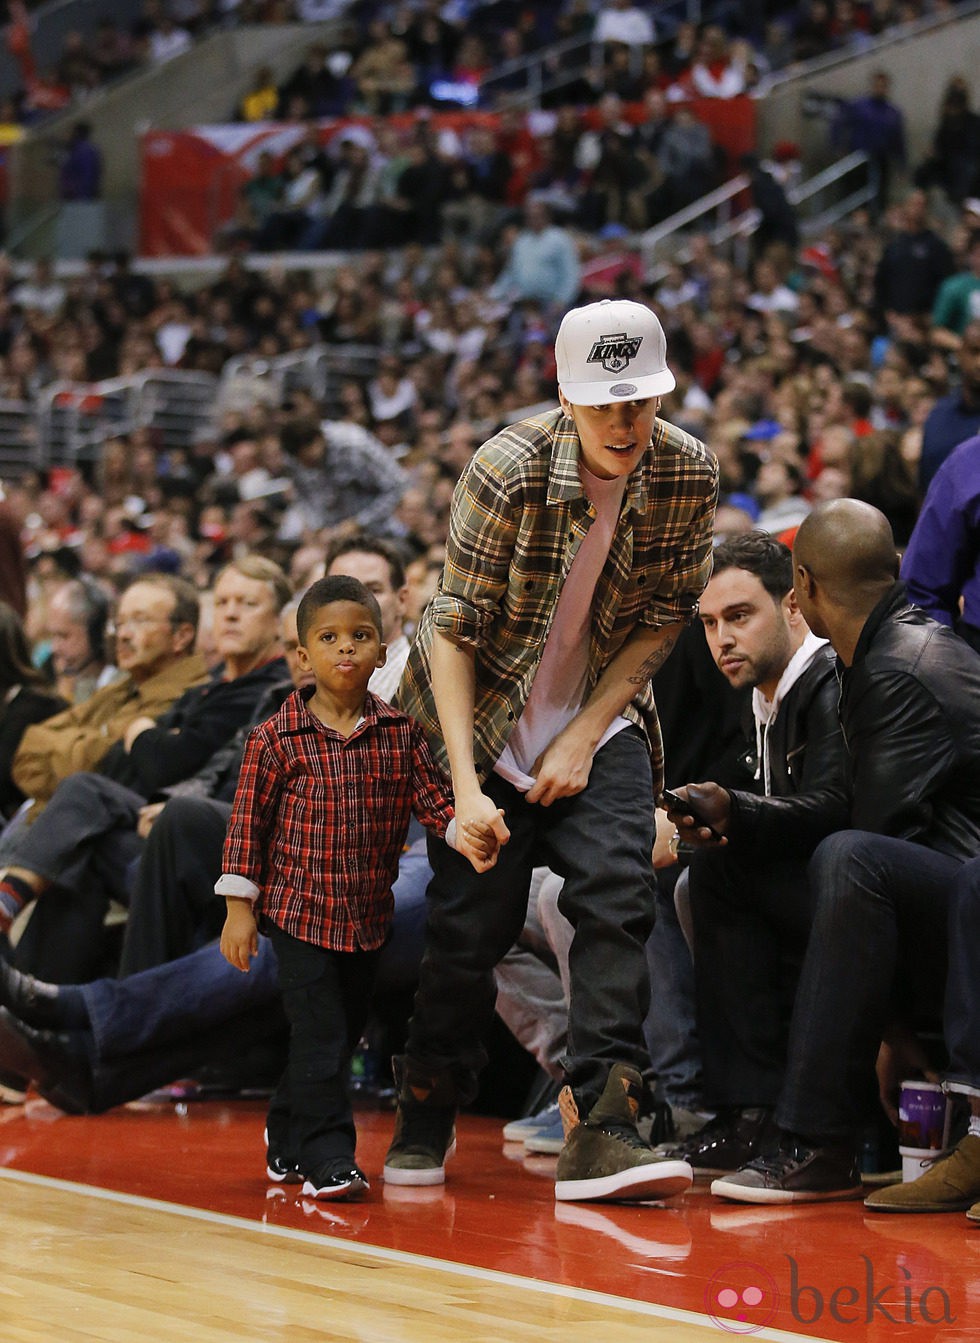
(561, 679)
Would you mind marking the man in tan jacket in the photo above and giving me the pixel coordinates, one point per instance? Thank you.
(155, 628)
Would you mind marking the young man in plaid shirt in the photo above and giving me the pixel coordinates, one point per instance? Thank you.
(579, 544)
(322, 808)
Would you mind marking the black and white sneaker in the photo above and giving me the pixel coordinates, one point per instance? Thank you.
(280, 1168)
(336, 1182)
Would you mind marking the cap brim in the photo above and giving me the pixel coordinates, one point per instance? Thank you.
(607, 390)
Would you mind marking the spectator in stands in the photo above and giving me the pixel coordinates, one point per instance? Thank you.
(341, 475)
(26, 699)
(261, 101)
(314, 89)
(876, 126)
(812, 33)
(953, 163)
(955, 417)
(624, 22)
(76, 69)
(717, 71)
(342, 214)
(777, 488)
(80, 174)
(296, 195)
(77, 638)
(941, 564)
(542, 263)
(154, 628)
(167, 40)
(383, 74)
(74, 857)
(958, 300)
(687, 158)
(112, 50)
(912, 266)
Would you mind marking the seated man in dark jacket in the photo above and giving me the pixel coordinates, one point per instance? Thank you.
(75, 856)
(910, 713)
(749, 902)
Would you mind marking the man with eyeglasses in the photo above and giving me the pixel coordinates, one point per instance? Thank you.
(155, 627)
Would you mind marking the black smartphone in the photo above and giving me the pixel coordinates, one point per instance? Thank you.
(677, 803)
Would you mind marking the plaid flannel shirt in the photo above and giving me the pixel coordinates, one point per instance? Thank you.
(519, 515)
(319, 820)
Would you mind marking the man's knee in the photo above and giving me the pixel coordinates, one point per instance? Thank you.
(840, 856)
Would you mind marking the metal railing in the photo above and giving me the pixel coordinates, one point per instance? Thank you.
(319, 370)
(525, 81)
(71, 421)
(726, 215)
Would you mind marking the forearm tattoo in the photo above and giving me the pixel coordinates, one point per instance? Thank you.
(654, 662)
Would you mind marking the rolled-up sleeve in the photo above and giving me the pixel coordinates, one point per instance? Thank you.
(479, 552)
(676, 596)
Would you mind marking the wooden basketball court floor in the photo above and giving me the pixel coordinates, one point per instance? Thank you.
(155, 1222)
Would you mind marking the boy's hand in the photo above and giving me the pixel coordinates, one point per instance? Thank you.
(240, 935)
(480, 840)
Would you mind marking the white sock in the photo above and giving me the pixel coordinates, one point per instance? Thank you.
(974, 1128)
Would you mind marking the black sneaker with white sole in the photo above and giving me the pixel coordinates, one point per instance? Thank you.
(336, 1182)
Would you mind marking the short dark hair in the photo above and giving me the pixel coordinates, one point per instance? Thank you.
(760, 554)
(363, 544)
(339, 588)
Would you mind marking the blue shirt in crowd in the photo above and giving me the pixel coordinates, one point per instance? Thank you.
(948, 424)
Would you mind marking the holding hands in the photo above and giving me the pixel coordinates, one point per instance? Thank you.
(481, 831)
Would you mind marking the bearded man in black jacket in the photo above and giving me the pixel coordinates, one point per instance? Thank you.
(749, 900)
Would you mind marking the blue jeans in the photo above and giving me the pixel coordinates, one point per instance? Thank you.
(962, 1007)
(670, 1028)
(878, 947)
(600, 841)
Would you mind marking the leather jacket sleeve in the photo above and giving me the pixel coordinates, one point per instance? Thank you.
(899, 765)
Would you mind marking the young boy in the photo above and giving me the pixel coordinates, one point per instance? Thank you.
(319, 819)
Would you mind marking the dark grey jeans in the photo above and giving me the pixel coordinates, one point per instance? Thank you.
(600, 841)
(878, 946)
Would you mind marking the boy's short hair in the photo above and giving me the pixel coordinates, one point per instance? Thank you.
(339, 588)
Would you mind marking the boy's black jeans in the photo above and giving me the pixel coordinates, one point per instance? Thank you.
(326, 995)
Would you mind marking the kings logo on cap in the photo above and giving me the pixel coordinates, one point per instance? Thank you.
(614, 353)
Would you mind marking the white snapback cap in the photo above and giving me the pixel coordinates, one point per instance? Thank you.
(613, 350)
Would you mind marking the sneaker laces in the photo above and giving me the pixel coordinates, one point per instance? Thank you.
(780, 1162)
(625, 1133)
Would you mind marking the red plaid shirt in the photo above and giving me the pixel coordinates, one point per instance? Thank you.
(319, 820)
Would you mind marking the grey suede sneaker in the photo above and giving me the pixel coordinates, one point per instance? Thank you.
(604, 1157)
(425, 1126)
(796, 1172)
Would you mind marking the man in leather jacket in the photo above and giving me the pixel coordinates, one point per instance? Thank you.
(910, 714)
(749, 898)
